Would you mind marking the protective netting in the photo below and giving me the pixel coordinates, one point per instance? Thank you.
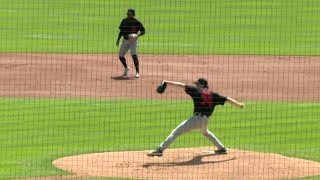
(78, 98)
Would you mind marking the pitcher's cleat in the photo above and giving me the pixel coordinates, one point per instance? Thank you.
(221, 151)
(157, 152)
(137, 75)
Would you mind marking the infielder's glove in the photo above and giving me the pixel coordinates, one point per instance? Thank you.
(132, 37)
(161, 87)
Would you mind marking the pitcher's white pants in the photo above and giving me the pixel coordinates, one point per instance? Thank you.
(195, 122)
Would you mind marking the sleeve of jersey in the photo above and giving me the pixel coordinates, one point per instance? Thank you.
(190, 89)
(218, 99)
(142, 29)
(121, 25)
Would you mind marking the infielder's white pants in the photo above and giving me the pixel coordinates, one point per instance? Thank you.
(195, 122)
(126, 45)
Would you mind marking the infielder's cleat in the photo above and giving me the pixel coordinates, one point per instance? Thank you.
(137, 75)
(157, 152)
(125, 71)
(221, 151)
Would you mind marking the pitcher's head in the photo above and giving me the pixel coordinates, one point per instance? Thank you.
(202, 83)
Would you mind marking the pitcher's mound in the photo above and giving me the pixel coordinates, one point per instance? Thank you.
(188, 163)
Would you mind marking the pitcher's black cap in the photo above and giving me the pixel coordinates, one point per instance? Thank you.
(202, 81)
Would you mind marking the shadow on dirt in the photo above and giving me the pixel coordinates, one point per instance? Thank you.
(197, 160)
(121, 78)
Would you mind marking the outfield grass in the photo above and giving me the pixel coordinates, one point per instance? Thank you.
(173, 26)
(34, 132)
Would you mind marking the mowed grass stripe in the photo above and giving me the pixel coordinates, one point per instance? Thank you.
(34, 132)
(172, 26)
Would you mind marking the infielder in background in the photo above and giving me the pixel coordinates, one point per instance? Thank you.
(204, 103)
(130, 28)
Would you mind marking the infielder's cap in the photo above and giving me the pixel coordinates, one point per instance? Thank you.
(202, 81)
(131, 11)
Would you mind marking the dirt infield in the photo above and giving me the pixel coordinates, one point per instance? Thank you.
(188, 163)
(246, 78)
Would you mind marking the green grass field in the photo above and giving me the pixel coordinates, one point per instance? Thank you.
(173, 26)
(34, 132)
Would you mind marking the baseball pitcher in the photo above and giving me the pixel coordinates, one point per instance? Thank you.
(204, 103)
(131, 29)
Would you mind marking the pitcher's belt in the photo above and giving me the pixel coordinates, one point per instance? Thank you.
(200, 114)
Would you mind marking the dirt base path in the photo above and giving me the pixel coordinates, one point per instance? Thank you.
(246, 78)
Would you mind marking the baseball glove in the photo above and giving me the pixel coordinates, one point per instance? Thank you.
(161, 87)
(132, 37)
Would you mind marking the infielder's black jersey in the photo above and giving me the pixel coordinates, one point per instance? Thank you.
(204, 101)
(129, 26)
